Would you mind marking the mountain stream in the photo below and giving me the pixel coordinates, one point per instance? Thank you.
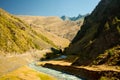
(57, 74)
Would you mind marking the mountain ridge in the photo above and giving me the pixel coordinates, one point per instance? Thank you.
(79, 17)
(99, 37)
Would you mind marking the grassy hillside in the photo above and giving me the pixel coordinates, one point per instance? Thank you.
(98, 41)
(55, 25)
(16, 36)
(55, 40)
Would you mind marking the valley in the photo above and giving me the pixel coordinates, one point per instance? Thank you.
(53, 24)
(21, 44)
(86, 47)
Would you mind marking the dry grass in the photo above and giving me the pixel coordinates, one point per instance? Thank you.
(10, 62)
(55, 25)
(64, 62)
(58, 41)
(101, 68)
(51, 28)
(26, 73)
(54, 63)
(19, 37)
(70, 59)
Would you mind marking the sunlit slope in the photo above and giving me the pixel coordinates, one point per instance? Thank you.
(66, 29)
(17, 36)
(57, 41)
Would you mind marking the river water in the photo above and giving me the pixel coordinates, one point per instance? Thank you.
(59, 75)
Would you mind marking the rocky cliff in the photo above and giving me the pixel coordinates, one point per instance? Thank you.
(79, 17)
(98, 41)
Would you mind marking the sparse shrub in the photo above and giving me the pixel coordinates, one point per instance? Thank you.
(107, 27)
(110, 53)
(103, 78)
(116, 18)
(51, 55)
(118, 29)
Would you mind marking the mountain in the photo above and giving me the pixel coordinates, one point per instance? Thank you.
(79, 17)
(98, 41)
(17, 36)
(65, 18)
(55, 25)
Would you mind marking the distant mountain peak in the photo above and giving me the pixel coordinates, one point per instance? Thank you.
(64, 17)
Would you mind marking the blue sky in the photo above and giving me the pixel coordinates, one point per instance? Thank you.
(49, 7)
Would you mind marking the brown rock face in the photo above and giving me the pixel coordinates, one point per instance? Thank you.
(100, 32)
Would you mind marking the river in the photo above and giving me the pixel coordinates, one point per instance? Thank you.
(59, 75)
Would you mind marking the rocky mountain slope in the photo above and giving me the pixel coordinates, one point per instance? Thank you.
(16, 36)
(98, 41)
(79, 17)
(55, 25)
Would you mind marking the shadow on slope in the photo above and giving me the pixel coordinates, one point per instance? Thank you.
(53, 54)
(85, 73)
(99, 33)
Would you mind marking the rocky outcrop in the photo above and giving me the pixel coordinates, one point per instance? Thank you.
(65, 18)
